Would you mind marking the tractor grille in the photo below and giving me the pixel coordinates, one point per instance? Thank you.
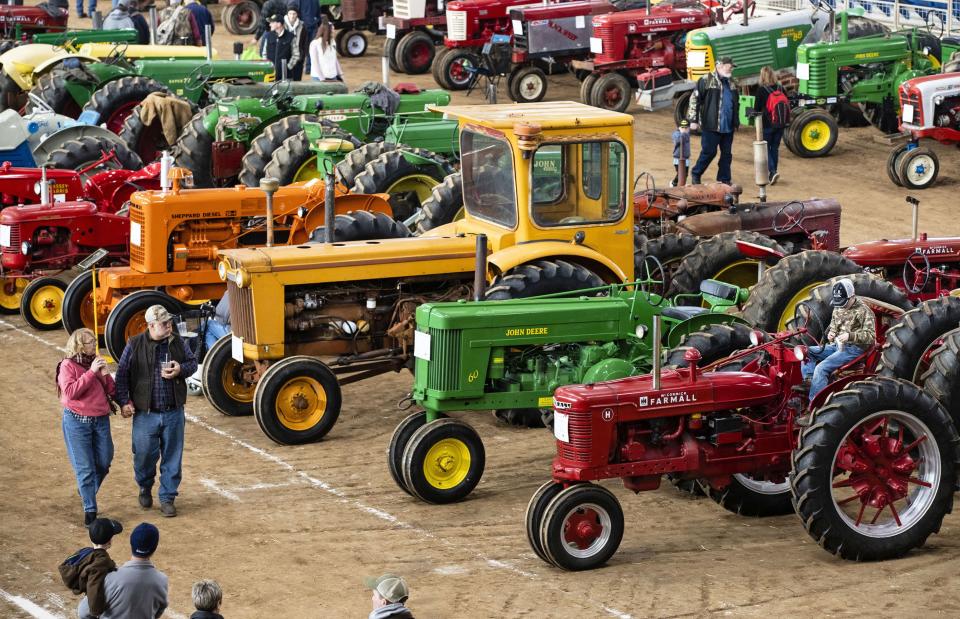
(13, 247)
(581, 441)
(457, 25)
(136, 244)
(401, 8)
(817, 82)
(756, 50)
(241, 312)
(912, 98)
(608, 37)
(695, 73)
(444, 373)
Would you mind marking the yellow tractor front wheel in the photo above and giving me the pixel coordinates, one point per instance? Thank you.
(11, 291)
(228, 385)
(812, 133)
(443, 461)
(297, 401)
(42, 303)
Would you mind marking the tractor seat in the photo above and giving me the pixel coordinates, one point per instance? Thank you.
(683, 312)
(720, 290)
(406, 88)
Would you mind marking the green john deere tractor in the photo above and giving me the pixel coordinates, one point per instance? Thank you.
(509, 356)
(866, 72)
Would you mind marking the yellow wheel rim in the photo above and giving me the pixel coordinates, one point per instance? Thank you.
(815, 135)
(10, 294)
(790, 309)
(420, 184)
(308, 171)
(447, 464)
(742, 273)
(301, 403)
(46, 305)
(231, 377)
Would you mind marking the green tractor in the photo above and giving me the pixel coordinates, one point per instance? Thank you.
(74, 38)
(865, 72)
(509, 356)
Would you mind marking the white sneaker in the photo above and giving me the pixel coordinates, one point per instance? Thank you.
(195, 381)
(773, 179)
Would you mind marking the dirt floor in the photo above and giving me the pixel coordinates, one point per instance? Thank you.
(291, 531)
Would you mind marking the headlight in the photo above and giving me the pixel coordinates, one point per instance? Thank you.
(640, 331)
(756, 337)
(36, 188)
(800, 352)
(25, 248)
(302, 212)
(222, 270)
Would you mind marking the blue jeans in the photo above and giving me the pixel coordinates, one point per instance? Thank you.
(709, 142)
(822, 361)
(91, 3)
(215, 330)
(772, 138)
(158, 436)
(90, 449)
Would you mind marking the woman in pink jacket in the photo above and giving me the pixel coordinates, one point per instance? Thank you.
(85, 388)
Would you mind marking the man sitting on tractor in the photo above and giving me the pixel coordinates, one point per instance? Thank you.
(852, 331)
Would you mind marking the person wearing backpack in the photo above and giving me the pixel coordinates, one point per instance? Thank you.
(774, 107)
(86, 570)
(86, 391)
(177, 26)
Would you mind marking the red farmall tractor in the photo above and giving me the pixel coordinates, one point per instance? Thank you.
(930, 109)
(22, 21)
(871, 472)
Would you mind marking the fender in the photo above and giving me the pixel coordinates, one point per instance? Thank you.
(56, 140)
(506, 259)
(838, 385)
(691, 325)
(50, 64)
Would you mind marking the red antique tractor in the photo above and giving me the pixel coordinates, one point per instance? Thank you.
(17, 21)
(413, 32)
(871, 473)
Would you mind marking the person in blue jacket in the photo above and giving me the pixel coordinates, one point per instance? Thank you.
(203, 17)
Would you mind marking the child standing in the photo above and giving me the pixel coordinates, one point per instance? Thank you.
(681, 148)
(86, 569)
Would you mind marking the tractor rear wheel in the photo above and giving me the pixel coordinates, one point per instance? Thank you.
(293, 161)
(390, 51)
(527, 84)
(148, 141)
(611, 91)
(586, 87)
(691, 487)
(52, 88)
(84, 151)
(754, 496)
(194, 150)
(351, 43)
(443, 461)
(718, 258)
(942, 380)
(11, 294)
(224, 383)
(713, 342)
(582, 527)
(242, 18)
(849, 498)
(812, 133)
(773, 301)
(534, 514)
(398, 443)
(408, 183)
(297, 401)
(893, 164)
(668, 249)
(918, 168)
(912, 340)
(42, 303)
(455, 68)
(415, 53)
(12, 96)
(356, 160)
(444, 205)
(115, 100)
(126, 319)
(264, 146)
(362, 226)
(78, 304)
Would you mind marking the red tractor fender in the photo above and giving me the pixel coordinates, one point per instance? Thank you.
(838, 385)
(506, 259)
(111, 189)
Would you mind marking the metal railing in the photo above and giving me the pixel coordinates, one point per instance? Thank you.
(940, 14)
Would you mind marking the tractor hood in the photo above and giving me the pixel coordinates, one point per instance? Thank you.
(662, 17)
(886, 253)
(44, 212)
(558, 11)
(13, 173)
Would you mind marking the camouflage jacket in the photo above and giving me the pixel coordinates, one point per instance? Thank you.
(858, 321)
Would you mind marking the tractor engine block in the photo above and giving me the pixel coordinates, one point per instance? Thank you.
(548, 367)
(947, 113)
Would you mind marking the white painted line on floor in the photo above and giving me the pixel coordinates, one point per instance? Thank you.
(32, 335)
(212, 485)
(29, 607)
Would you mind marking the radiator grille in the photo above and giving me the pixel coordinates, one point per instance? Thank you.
(136, 248)
(608, 36)
(14, 247)
(241, 312)
(817, 82)
(401, 8)
(581, 442)
(444, 370)
(457, 25)
(914, 100)
(695, 73)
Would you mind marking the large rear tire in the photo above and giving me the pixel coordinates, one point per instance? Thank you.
(52, 88)
(752, 496)
(126, 319)
(115, 100)
(264, 146)
(668, 249)
(911, 342)
(294, 162)
(390, 51)
(297, 401)
(444, 205)
(223, 381)
(84, 151)
(356, 160)
(362, 226)
(718, 258)
(942, 380)
(194, 150)
(409, 184)
(242, 18)
(713, 342)
(147, 141)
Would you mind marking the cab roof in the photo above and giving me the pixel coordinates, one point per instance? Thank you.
(548, 114)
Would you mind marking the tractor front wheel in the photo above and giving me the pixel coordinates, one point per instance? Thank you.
(437, 66)
(527, 84)
(42, 303)
(226, 382)
(11, 293)
(78, 305)
(586, 87)
(534, 514)
(455, 68)
(398, 443)
(813, 133)
(297, 401)
(910, 343)
(874, 474)
(242, 18)
(443, 461)
(127, 318)
(415, 53)
(918, 168)
(611, 91)
(581, 527)
(893, 164)
(351, 43)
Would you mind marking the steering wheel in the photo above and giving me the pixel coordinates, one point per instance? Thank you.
(574, 219)
(118, 52)
(199, 77)
(649, 191)
(277, 93)
(821, 5)
(652, 274)
(805, 316)
(368, 113)
(912, 272)
(787, 218)
(933, 23)
(39, 103)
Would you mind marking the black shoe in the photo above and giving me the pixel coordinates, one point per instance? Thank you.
(167, 509)
(88, 518)
(146, 500)
(695, 180)
(82, 16)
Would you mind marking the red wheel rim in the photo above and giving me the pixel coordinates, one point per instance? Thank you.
(420, 55)
(612, 96)
(582, 528)
(244, 18)
(116, 120)
(458, 71)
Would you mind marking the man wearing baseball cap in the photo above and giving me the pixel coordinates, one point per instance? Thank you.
(390, 593)
(715, 108)
(152, 388)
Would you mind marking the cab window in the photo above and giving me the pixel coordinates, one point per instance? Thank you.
(486, 165)
(578, 183)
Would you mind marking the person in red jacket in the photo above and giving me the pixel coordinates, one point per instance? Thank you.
(85, 389)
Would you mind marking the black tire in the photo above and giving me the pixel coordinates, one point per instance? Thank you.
(586, 88)
(437, 66)
(527, 84)
(308, 372)
(293, 161)
(415, 53)
(242, 18)
(390, 51)
(443, 205)
(408, 184)
(11, 95)
(356, 160)
(893, 164)
(815, 468)
(713, 342)
(264, 147)
(415, 464)
(942, 380)
(754, 498)
(919, 168)
(223, 382)
(911, 340)
(541, 277)
(451, 68)
(680, 106)
(534, 514)
(773, 300)
(125, 318)
(82, 152)
(41, 304)
(147, 141)
(77, 303)
(713, 257)
(362, 226)
(668, 249)
(113, 99)
(611, 91)
(398, 442)
(52, 88)
(804, 142)
(691, 487)
(194, 150)
(569, 501)
(352, 44)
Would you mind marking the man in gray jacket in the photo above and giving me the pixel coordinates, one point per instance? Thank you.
(137, 590)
